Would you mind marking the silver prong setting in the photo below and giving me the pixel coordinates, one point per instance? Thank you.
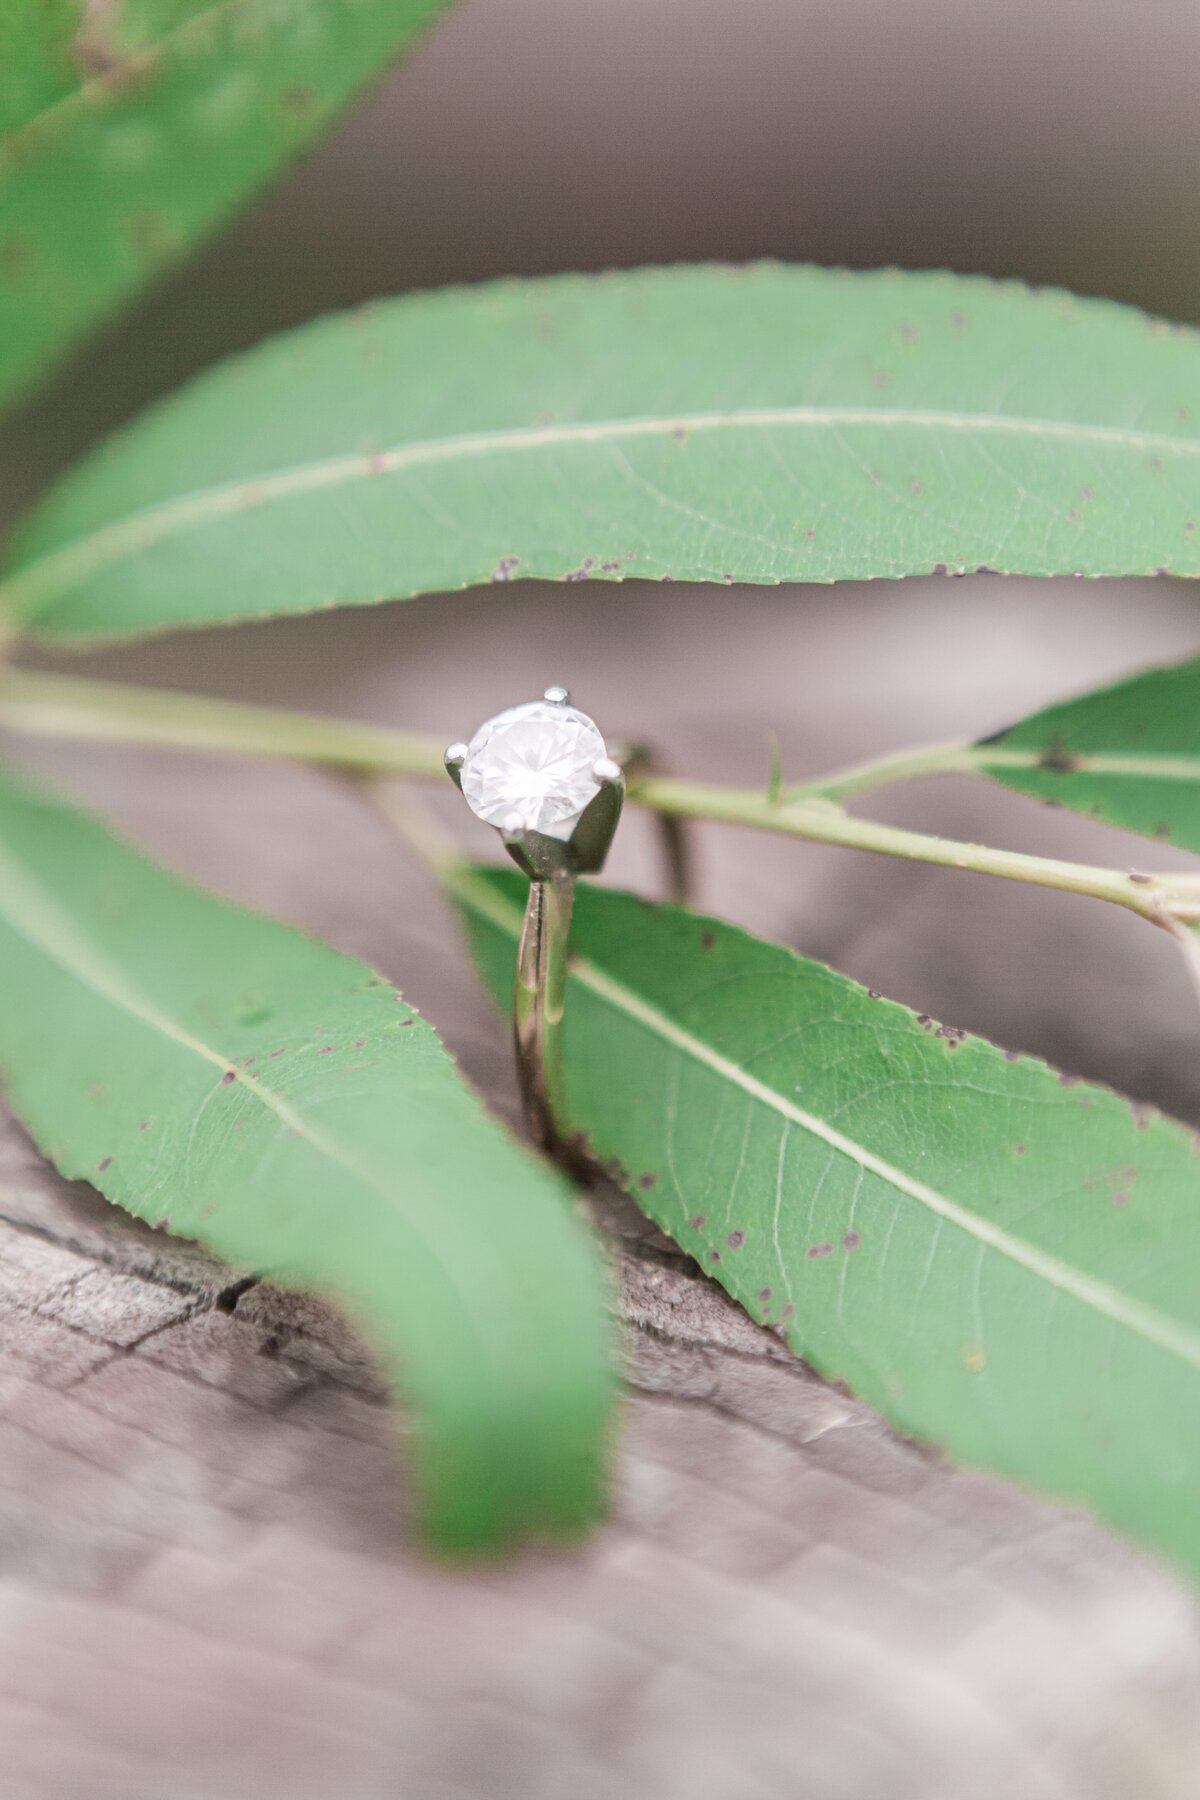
(454, 758)
(557, 696)
(608, 773)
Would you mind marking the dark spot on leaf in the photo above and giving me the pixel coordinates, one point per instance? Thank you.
(1018, 1149)
(714, 1256)
(811, 533)
(819, 1250)
(851, 1241)
(736, 1239)
(583, 571)
(1157, 464)
(874, 994)
(679, 434)
(1073, 513)
(915, 486)
(1162, 830)
(646, 1182)
(228, 1076)
(503, 571)
(325, 1050)
(145, 1125)
(360, 1043)
(1069, 1080)
(1087, 493)
(297, 100)
(924, 1021)
(707, 940)
(401, 1023)
(940, 569)
(699, 1222)
(105, 1162)
(986, 569)
(272, 1054)
(764, 1294)
(610, 568)
(1012, 1055)
(787, 1312)
(1057, 759)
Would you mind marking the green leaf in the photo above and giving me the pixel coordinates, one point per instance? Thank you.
(223, 1076)
(133, 129)
(759, 425)
(37, 56)
(1001, 1259)
(1128, 754)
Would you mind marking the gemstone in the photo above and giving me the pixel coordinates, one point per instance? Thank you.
(531, 768)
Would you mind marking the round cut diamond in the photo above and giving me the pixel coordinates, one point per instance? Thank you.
(531, 768)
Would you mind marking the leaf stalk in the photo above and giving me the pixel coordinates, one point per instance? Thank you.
(52, 705)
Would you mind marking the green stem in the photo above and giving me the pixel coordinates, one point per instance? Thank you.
(821, 820)
(976, 759)
(885, 771)
(67, 706)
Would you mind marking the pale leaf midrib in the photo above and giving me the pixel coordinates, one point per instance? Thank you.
(44, 924)
(1132, 1315)
(1086, 762)
(95, 90)
(52, 574)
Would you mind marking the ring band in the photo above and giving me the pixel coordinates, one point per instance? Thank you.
(541, 775)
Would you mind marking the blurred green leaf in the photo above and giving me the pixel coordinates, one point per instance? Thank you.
(133, 129)
(1128, 754)
(38, 56)
(1001, 1259)
(760, 425)
(222, 1075)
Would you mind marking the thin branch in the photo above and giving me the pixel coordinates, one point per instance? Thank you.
(66, 706)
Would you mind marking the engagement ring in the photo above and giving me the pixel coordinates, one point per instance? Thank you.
(540, 773)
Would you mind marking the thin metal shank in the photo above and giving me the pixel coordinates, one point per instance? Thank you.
(539, 996)
(540, 985)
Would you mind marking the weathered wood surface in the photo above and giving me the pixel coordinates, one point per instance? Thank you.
(207, 1585)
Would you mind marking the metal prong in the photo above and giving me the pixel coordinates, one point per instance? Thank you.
(608, 772)
(557, 696)
(455, 757)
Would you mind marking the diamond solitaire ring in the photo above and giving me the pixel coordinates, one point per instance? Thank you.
(540, 773)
